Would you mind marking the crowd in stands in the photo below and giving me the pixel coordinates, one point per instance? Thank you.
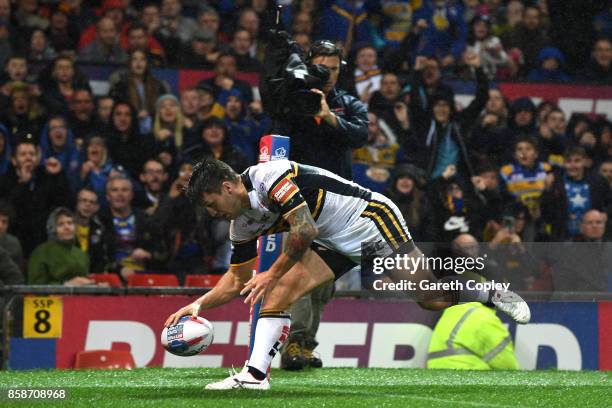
(92, 183)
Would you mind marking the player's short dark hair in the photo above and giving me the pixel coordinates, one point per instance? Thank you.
(207, 177)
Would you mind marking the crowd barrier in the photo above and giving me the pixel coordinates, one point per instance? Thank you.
(45, 326)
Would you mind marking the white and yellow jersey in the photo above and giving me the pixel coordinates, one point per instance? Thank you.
(345, 213)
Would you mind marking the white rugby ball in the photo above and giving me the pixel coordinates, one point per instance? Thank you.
(190, 336)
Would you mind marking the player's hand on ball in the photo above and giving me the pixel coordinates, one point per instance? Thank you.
(192, 309)
(258, 285)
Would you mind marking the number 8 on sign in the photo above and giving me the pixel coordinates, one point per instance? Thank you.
(42, 316)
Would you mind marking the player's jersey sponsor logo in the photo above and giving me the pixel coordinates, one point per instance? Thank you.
(283, 191)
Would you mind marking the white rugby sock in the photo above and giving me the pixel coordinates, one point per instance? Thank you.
(270, 335)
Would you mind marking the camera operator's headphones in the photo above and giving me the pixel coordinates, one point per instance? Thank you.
(325, 48)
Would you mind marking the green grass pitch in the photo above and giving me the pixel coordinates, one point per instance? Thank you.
(325, 387)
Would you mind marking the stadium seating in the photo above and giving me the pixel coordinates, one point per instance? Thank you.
(151, 279)
(110, 278)
(201, 281)
(105, 359)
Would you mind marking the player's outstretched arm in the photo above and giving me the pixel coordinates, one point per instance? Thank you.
(225, 290)
(303, 231)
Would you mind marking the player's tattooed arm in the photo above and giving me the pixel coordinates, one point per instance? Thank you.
(303, 231)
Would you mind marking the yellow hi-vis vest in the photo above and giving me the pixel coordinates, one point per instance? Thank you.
(470, 336)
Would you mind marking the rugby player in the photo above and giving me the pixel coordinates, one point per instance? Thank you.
(326, 219)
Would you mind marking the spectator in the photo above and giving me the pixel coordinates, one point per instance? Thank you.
(138, 38)
(105, 49)
(599, 68)
(8, 242)
(265, 11)
(549, 66)
(397, 21)
(168, 129)
(82, 116)
(406, 192)
(171, 18)
(126, 145)
(153, 179)
(578, 123)
(302, 23)
(39, 48)
(59, 261)
(96, 169)
(367, 75)
(605, 170)
(201, 52)
(243, 131)
(374, 162)
(33, 191)
(487, 188)
(455, 208)
(150, 17)
(543, 109)
(134, 242)
(552, 137)
(529, 37)
(214, 142)
(89, 231)
(514, 15)
(58, 82)
(190, 106)
(249, 20)
(526, 179)
(522, 121)
(445, 35)
(225, 78)
(57, 141)
(104, 107)
(208, 20)
(209, 107)
(241, 44)
(572, 194)
(139, 87)
(113, 9)
(491, 139)
(23, 114)
(345, 23)
(16, 70)
(391, 108)
(441, 131)
(62, 34)
(588, 253)
(27, 15)
(481, 41)
(432, 82)
(5, 150)
(10, 274)
(80, 14)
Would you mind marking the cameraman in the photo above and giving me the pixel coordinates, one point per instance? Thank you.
(326, 139)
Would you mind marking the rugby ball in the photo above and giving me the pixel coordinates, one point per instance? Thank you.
(190, 336)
